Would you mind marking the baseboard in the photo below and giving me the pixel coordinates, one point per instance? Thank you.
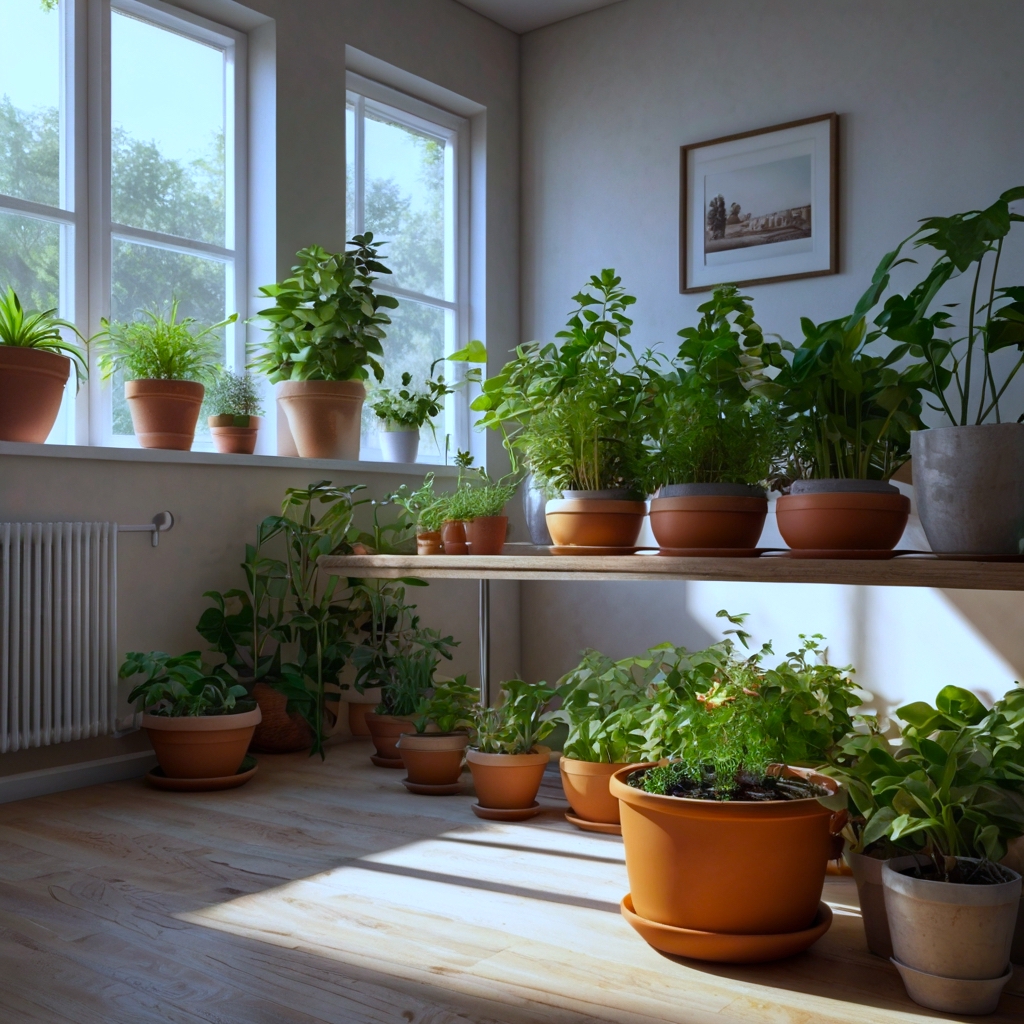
(75, 776)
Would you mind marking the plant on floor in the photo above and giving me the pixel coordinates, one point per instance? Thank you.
(327, 322)
(236, 395)
(451, 706)
(39, 329)
(180, 686)
(518, 724)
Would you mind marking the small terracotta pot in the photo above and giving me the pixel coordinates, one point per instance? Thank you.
(201, 746)
(708, 521)
(725, 866)
(429, 543)
(164, 412)
(594, 522)
(233, 437)
(324, 416)
(453, 537)
(278, 732)
(385, 730)
(586, 788)
(359, 709)
(843, 520)
(31, 388)
(508, 781)
(433, 759)
(486, 535)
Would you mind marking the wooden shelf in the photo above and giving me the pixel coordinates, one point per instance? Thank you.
(539, 565)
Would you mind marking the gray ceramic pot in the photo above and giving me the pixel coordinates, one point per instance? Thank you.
(969, 487)
(867, 871)
(533, 506)
(710, 491)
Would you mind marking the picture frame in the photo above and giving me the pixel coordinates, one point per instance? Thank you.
(727, 234)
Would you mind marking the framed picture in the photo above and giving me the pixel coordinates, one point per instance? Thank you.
(760, 206)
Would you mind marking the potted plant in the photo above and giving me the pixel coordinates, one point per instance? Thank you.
(507, 759)
(433, 760)
(736, 735)
(236, 410)
(324, 340)
(480, 506)
(427, 511)
(199, 727)
(35, 363)
(714, 432)
(164, 362)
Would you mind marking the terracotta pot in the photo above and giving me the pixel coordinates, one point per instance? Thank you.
(453, 536)
(507, 781)
(324, 416)
(708, 520)
(831, 518)
(164, 412)
(586, 788)
(595, 522)
(201, 746)
(359, 707)
(231, 436)
(433, 759)
(279, 732)
(486, 535)
(31, 388)
(385, 730)
(725, 866)
(429, 543)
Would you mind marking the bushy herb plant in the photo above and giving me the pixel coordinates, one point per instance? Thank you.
(234, 394)
(180, 686)
(39, 329)
(451, 706)
(519, 723)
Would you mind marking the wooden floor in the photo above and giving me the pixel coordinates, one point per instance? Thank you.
(325, 892)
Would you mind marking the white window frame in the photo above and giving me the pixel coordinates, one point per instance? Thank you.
(432, 120)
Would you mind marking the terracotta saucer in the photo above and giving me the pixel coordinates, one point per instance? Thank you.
(425, 789)
(387, 762)
(583, 549)
(721, 947)
(156, 778)
(711, 552)
(506, 813)
(608, 828)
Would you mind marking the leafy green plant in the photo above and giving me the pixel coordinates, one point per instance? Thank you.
(234, 394)
(39, 329)
(518, 724)
(160, 347)
(452, 706)
(475, 502)
(425, 508)
(327, 322)
(180, 686)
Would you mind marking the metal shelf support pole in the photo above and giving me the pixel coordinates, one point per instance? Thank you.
(484, 623)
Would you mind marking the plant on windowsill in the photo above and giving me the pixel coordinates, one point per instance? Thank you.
(434, 759)
(236, 408)
(164, 363)
(35, 363)
(324, 336)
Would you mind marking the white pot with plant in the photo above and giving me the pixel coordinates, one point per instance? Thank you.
(235, 409)
(434, 753)
(323, 341)
(164, 363)
(35, 363)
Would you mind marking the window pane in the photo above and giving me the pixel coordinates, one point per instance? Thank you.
(350, 171)
(30, 85)
(405, 202)
(167, 131)
(30, 260)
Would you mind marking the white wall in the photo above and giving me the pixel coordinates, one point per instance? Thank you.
(931, 123)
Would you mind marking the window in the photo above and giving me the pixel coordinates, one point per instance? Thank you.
(407, 182)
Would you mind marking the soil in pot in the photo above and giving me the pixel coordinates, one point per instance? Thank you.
(235, 435)
(280, 732)
(595, 522)
(324, 416)
(704, 519)
(827, 515)
(385, 730)
(586, 788)
(201, 746)
(486, 535)
(31, 388)
(429, 543)
(453, 537)
(164, 412)
(433, 759)
(507, 781)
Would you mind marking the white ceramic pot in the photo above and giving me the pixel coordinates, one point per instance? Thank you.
(399, 445)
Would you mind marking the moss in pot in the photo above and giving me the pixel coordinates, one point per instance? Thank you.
(435, 758)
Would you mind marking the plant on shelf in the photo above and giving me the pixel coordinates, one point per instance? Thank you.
(35, 363)
(235, 408)
(435, 758)
(479, 503)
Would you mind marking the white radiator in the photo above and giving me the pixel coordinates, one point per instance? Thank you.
(58, 632)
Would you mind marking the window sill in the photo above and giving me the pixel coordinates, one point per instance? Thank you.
(157, 455)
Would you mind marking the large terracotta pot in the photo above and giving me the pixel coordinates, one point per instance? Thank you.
(595, 522)
(586, 788)
(279, 731)
(164, 412)
(725, 866)
(842, 515)
(31, 388)
(324, 416)
(486, 535)
(235, 435)
(708, 516)
(201, 746)
(507, 781)
(385, 730)
(433, 759)
(453, 537)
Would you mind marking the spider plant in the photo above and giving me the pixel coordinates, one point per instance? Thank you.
(39, 329)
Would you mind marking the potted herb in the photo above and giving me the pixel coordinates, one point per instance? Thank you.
(434, 760)
(164, 362)
(714, 431)
(427, 511)
(35, 363)
(198, 721)
(480, 505)
(324, 340)
(236, 407)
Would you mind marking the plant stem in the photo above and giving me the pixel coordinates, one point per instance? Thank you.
(988, 322)
(970, 346)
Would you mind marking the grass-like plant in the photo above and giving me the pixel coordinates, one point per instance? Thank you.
(477, 502)
(176, 687)
(39, 329)
(519, 723)
(234, 394)
(451, 706)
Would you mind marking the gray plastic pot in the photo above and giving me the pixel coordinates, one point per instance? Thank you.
(969, 487)
(534, 501)
(867, 872)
